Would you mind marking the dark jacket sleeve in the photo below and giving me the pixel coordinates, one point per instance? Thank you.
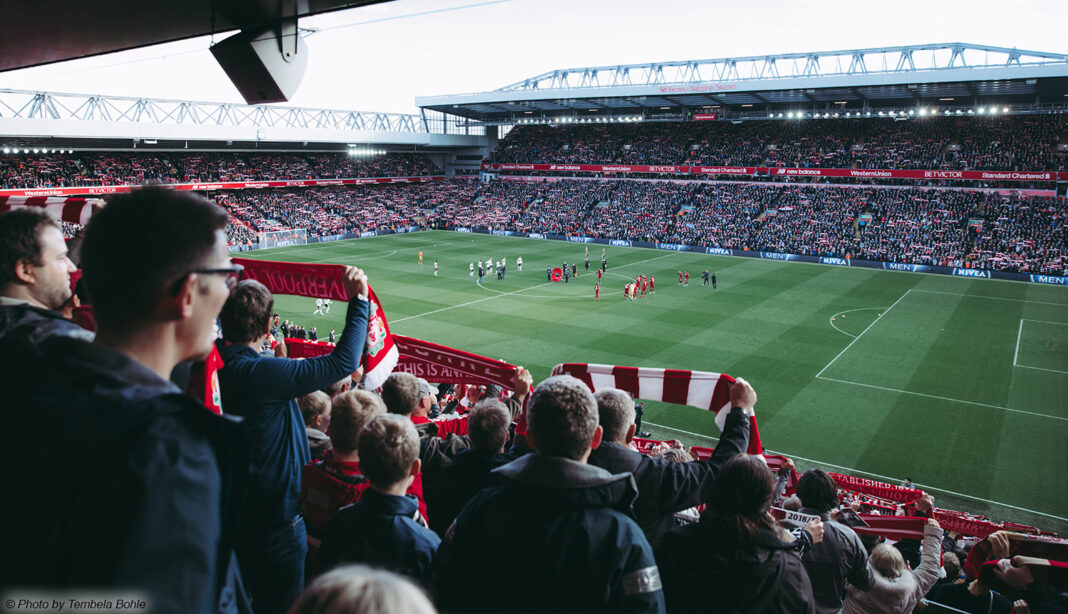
(283, 378)
(859, 574)
(684, 485)
(642, 589)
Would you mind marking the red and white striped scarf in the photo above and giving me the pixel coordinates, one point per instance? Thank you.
(701, 389)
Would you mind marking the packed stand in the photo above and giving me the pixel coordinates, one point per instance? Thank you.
(943, 143)
(337, 210)
(109, 169)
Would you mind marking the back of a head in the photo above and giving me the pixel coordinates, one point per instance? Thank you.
(20, 239)
(357, 589)
(742, 495)
(352, 411)
(817, 490)
(487, 425)
(562, 417)
(312, 405)
(615, 413)
(246, 314)
(951, 562)
(400, 392)
(138, 246)
(887, 561)
(388, 446)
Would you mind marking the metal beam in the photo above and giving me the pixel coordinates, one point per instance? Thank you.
(943, 56)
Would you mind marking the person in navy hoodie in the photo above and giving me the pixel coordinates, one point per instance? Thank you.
(263, 390)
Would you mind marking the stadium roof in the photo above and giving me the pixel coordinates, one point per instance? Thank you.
(35, 33)
(948, 74)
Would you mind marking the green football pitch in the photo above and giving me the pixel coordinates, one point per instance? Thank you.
(961, 384)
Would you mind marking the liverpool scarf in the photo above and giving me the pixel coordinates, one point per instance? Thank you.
(436, 363)
(701, 389)
(326, 281)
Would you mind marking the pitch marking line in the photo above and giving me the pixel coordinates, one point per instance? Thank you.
(1019, 335)
(831, 319)
(874, 475)
(932, 396)
(857, 338)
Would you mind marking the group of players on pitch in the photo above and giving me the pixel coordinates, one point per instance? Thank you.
(640, 287)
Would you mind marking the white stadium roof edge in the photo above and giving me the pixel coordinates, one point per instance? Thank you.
(946, 78)
(750, 87)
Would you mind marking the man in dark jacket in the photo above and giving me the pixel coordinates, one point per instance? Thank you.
(664, 487)
(469, 472)
(34, 279)
(138, 495)
(263, 391)
(840, 556)
(556, 534)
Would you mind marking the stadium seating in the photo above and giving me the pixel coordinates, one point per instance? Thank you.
(92, 169)
(948, 143)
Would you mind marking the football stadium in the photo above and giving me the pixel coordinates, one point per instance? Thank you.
(782, 332)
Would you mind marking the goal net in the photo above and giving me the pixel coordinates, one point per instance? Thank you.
(283, 238)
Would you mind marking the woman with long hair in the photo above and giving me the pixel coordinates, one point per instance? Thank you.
(737, 558)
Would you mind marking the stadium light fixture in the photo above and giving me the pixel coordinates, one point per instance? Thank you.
(982, 110)
(1004, 109)
(868, 114)
(912, 111)
(959, 112)
(35, 150)
(790, 115)
(971, 111)
(881, 113)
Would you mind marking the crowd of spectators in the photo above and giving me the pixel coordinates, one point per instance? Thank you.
(942, 227)
(336, 210)
(549, 502)
(945, 143)
(109, 168)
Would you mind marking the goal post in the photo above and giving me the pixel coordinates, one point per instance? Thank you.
(283, 238)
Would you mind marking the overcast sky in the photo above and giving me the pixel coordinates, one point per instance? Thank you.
(379, 58)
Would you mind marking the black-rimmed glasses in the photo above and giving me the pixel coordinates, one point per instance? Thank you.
(232, 273)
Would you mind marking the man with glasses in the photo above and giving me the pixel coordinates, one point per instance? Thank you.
(263, 390)
(136, 495)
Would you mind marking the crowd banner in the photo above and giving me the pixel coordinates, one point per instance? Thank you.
(882, 490)
(72, 210)
(218, 185)
(445, 365)
(892, 527)
(855, 173)
(433, 362)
